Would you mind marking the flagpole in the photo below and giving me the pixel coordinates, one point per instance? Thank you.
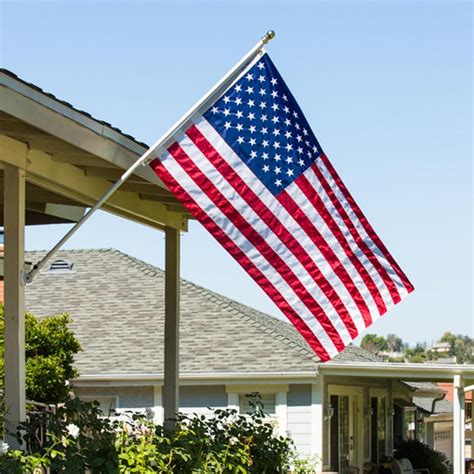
(162, 143)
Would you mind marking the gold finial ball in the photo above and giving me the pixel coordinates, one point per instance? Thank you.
(269, 36)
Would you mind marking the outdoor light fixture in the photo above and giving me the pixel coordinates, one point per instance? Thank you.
(328, 412)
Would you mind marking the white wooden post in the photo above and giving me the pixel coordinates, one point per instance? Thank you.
(472, 422)
(317, 419)
(458, 413)
(171, 379)
(14, 291)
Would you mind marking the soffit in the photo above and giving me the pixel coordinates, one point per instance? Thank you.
(61, 140)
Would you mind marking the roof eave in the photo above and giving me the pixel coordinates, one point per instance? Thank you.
(403, 371)
(196, 377)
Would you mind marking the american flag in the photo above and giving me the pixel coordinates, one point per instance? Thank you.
(252, 172)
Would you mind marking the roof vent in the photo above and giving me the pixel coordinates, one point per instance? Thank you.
(61, 266)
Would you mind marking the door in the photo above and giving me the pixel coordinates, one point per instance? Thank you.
(343, 432)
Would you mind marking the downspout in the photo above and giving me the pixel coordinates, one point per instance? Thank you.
(433, 403)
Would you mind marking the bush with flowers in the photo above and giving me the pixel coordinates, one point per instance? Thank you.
(79, 439)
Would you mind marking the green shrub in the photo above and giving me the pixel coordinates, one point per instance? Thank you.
(80, 438)
(422, 456)
(50, 346)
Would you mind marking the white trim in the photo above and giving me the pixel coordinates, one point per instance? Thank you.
(380, 393)
(281, 411)
(317, 418)
(233, 402)
(355, 369)
(459, 427)
(358, 393)
(235, 377)
(403, 371)
(158, 405)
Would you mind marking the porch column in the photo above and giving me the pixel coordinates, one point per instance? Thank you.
(458, 414)
(171, 379)
(317, 419)
(14, 295)
(471, 390)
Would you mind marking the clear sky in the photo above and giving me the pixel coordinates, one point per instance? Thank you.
(386, 86)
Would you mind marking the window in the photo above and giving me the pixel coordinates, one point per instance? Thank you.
(468, 409)
(266, 402)
(106, 404)
(442, 434)
(378, 427)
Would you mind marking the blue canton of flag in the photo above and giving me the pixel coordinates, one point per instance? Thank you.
(260, 119)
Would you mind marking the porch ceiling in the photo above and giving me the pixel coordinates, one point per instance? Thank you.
(70, 159)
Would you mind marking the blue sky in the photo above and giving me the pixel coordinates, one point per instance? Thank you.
(386, 86)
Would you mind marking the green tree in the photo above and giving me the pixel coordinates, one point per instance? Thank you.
(460, 346)
(394, 343)
(50, 346)
(374, 343)
(417, 354)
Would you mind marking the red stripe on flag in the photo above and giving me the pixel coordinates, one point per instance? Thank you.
(367, 227)
(392, 288)
(287, 201)
(241, 258)
(256, 239)
(273, 223)
(309, 191)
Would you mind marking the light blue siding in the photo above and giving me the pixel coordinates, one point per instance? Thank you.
(299, 417)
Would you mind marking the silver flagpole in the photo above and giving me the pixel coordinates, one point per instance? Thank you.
(162, 142)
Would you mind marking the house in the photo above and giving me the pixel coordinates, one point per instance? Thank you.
(441, 348)
(433, 413)
(349, 411)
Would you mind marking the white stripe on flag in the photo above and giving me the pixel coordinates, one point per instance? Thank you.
(360, 229)
(373, 272)
(284, 216)
(255, 221)
(177, 172)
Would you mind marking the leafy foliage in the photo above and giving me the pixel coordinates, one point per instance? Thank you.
(421, 456)
(50, 346)
(80, 439)
(373, 343)
(462, 347)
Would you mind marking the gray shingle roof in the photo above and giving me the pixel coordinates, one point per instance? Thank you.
(424, 386)
(441, 406)
(117, 306)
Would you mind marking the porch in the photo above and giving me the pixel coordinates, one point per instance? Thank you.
(365, 411)
(55, 161)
